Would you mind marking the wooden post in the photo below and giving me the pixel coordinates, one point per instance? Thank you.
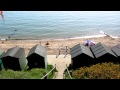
(58, 53)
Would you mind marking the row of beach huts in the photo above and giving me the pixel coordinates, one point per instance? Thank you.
(99, 53)
(15, 58)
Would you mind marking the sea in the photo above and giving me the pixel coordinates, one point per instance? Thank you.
(59, 24)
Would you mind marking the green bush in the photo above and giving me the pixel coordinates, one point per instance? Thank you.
(98, 71)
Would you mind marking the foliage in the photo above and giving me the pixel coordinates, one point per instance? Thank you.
(51, 75)
(35, 73)
(67, 75)
(98, 71)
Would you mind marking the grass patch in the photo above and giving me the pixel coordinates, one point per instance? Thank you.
(67, 75)
(52, 74)
(36, 73)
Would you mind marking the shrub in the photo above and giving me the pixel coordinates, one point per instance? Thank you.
(98, 71)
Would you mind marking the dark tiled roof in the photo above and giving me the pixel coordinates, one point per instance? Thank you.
(40, 50)
(14, 52)
(116, 50)
(101, 49)
(118, 46)
(1, 52)
(79, 49)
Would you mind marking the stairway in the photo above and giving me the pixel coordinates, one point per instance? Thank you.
(60, 62)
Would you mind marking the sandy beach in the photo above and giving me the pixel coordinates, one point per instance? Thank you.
(53, 49)
(54, 45)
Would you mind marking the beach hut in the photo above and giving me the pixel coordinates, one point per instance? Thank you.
(102, 53)
(2, 52)
(116, 51)
(81, 56)
(14, 59)
(37, 57)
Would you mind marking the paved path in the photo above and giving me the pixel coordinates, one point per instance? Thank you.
(60, 62)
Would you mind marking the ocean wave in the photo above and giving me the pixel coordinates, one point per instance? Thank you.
(114, 36)
(87, 37)
(102, 32)
(80, 37)
(91, 36)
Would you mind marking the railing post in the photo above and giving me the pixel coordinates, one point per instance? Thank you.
(45, 75)
(52, 72)
(66, 49)
(71, 73)
(64, 76)
(55, 68)
(59, 52)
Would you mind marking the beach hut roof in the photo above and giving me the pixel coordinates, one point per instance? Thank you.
(116, 50)
(40, 50)
(81, 56)
(101, 49)
(14, 52)
(79, 49)
(118, 46)
(2, 51)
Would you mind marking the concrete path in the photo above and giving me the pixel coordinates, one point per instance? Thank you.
(60, 62)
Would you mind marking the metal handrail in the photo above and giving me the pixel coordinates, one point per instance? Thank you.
(69, 73)
(48, 72)
(67, 49)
